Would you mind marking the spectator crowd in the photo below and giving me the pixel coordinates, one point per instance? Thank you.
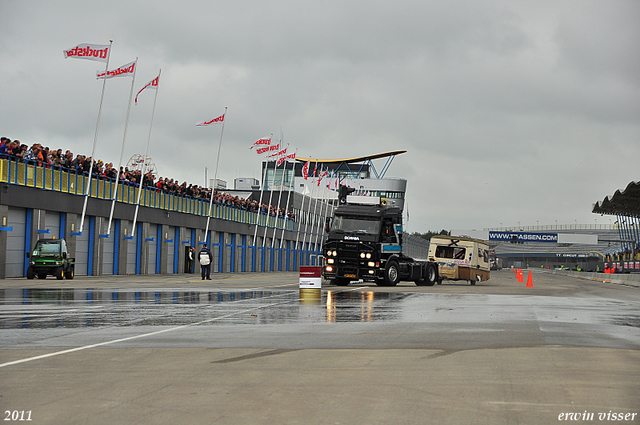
(81, 164)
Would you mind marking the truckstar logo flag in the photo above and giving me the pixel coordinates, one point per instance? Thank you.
(268, 149)
(322, 175)
(153, 84)
(124, 71)
(213, 121)
(305, 170)
(93, 52)
(284, 158)
(280, 153)
(261, 142)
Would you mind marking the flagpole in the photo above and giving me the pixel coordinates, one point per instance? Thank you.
(215, 174)
(286, 209)
(144, 164)
(124, 137)
(275, 227)
(321, 205)
(266, 227)
(301, 212)
(95, 138)
(264, 177)
(323, 209)
(315, 172)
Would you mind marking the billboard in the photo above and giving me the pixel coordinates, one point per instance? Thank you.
(523, 237)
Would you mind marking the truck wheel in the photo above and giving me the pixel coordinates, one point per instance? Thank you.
(340, 281)
(30, 273)
(70, 274)
(391, 273)
(60, 273)
(432, 274)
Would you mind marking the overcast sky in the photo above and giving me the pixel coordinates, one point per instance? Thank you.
(510, 112)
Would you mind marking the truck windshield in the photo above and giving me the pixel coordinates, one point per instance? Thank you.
(356, 225)
(43, 248)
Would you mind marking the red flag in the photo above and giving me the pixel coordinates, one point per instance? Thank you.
(322, 175)
(261, 142)
(305, 170)
(213, 121)
(153, 84)
(124, 71)
(93, 52)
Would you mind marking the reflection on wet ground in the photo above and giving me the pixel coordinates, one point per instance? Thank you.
(74, 308)
(78, 308)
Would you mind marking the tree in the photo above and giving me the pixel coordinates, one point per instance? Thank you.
(431, 233)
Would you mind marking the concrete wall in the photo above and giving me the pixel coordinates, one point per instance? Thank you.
(38, 211)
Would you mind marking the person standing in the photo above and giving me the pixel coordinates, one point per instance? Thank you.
(206, 258)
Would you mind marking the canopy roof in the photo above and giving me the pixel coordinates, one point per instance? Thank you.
(624, 203)
(351, 160)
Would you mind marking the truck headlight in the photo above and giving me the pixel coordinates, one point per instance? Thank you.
(330, 261)
(362, 255)
(371, 264)
(328, 269)
(368, 255)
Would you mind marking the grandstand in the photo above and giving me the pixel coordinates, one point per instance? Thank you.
(581, 247)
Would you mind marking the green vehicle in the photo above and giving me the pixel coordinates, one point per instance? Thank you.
(50, 257)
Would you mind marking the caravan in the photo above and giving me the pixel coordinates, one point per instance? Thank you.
(460, 258)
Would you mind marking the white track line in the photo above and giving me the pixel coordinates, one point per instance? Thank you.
(115, 341)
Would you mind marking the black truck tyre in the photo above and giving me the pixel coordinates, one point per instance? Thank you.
(69, 275)
(432, 274)
(391, 273)
(30, 273)
(431, 277)
(60, 273)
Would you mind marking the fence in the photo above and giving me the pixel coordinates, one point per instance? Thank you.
(13, 171)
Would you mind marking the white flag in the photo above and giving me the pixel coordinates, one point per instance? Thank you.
(94, 52)
(124, 71)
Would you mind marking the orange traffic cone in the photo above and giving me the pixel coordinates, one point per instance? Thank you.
(529, 281)
(520, 277)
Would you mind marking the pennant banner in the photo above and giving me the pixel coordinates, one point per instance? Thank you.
(305, 170)
(268, 149)
(213, 121)
(261, 142)
(93, 52)
(284, 158)
(153, 84)
(322, 175)
(281, 153)
(124, 71)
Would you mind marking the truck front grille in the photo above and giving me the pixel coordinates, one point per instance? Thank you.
(348, 251)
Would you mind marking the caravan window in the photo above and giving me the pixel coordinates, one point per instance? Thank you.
(483, 255)
(454, 252)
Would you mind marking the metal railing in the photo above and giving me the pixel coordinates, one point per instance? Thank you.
(59, 179)
(540, 227)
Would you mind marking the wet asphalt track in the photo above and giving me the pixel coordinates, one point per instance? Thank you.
(445, 334)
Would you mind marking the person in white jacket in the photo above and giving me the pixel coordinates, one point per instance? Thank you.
(206, 258)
